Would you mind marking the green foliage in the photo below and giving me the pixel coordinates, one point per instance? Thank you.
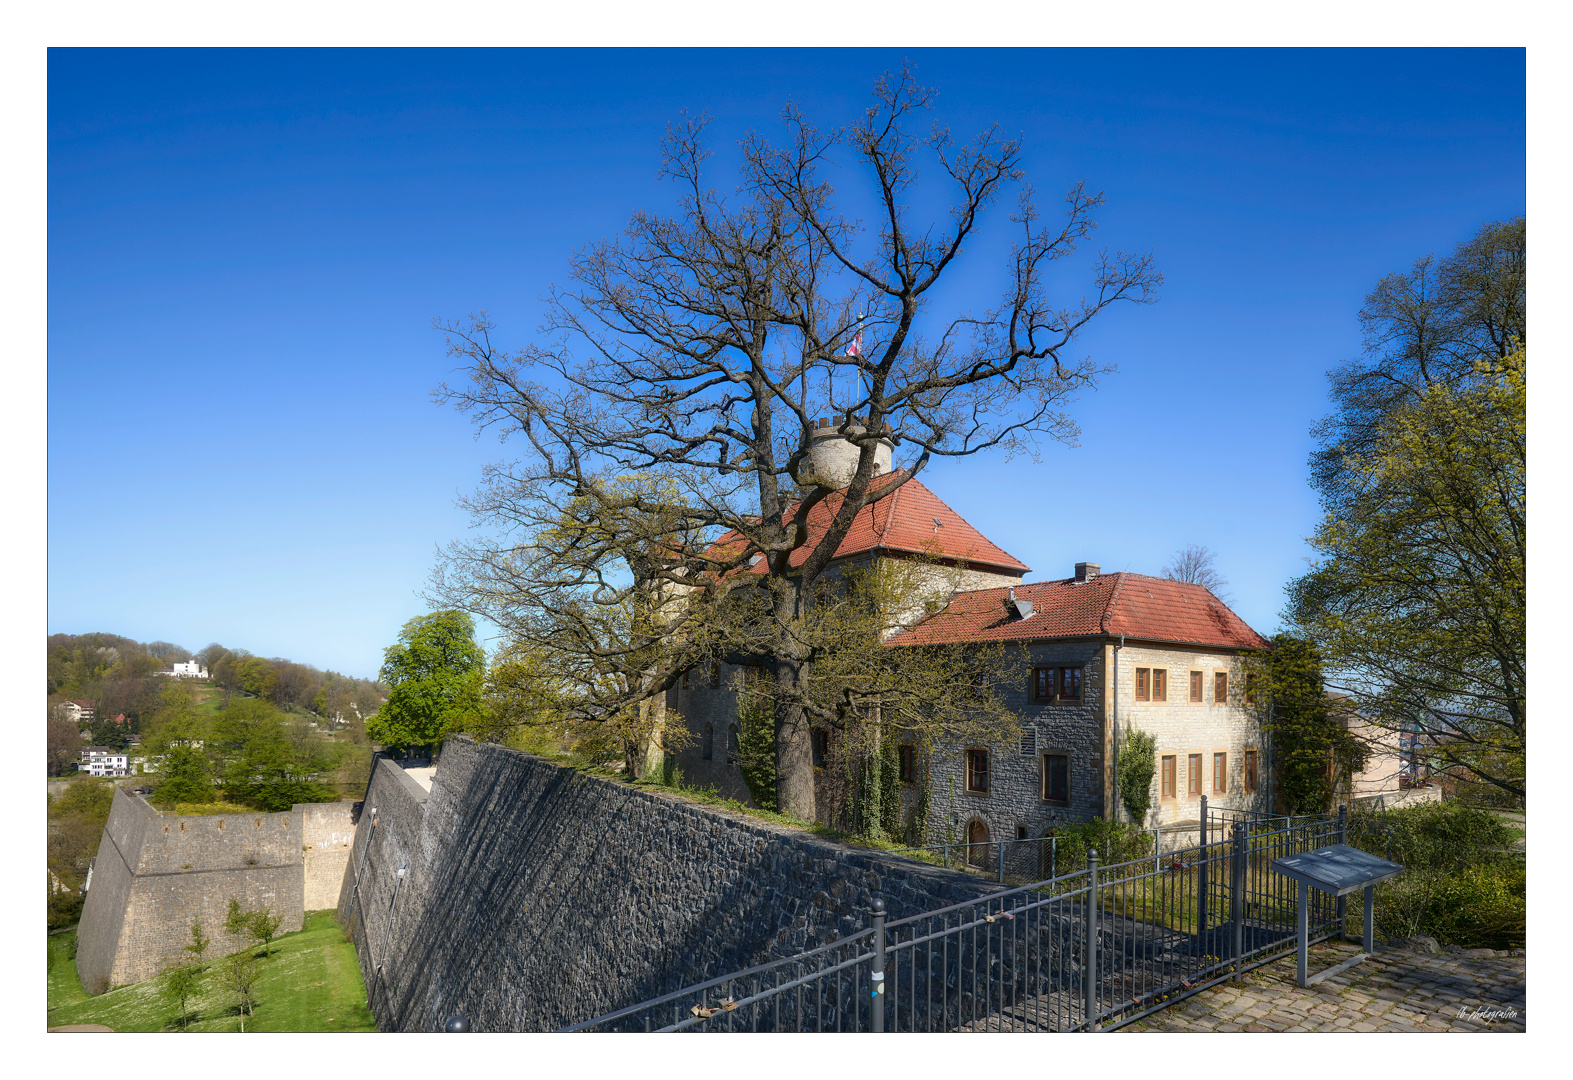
(1115, 841)
(1460, 883)
(89, 800)
(1313, 752)
(235, 918)
(261, 925)
(197, 946)
(180, 986)
(436, 675)
(1138, 761)
(258, 763)
(185, 776)
(240, 973)
(756, 740)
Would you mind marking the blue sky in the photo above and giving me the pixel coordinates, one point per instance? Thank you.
(246, 250)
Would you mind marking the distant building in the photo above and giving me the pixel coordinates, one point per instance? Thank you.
(190, 670)
(76, 711)
(102, 761)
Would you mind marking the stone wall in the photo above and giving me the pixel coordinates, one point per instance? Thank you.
(157, 873)
(327, 831)
(534, 896)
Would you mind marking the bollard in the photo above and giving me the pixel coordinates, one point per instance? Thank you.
(1237, 898)
(877, 994)
(1090, 972)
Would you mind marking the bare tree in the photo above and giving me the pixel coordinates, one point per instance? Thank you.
(674, 395)
(1193, 564)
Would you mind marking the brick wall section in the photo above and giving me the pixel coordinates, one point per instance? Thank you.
(327, 830)
(535, 897)
(158, 873)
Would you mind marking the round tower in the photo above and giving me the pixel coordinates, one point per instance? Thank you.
(833, 456)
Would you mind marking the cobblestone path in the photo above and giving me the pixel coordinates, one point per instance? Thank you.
(1397, 990)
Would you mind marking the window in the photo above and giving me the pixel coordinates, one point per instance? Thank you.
(1056, 683)
(1167, 789)
(685, 680)
(1028, 746)
(1196, 687)
(821, 741)
(1070, 684)
(731, 744)
(1056, 779)
(1021, 832)
(978, 771)
(1220, 688)
(1193, 775)
(1160, 684)
(1250, 770)
(1143, 684)
(1250, 690)
(907, 764)
(1220, 774)
(709, 742)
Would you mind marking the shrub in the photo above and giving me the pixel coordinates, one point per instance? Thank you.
(1137, 763)
(1116, 842)
(1437, 836)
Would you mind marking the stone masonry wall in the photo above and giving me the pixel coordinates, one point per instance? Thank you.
(534, 896)
(327, 831)
(158, 873)
(1183, 728)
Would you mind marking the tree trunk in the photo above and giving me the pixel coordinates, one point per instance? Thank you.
(794, 744)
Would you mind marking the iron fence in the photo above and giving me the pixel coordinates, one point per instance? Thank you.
(1083, 951)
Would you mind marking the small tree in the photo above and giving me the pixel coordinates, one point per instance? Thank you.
(235, 919)
(180, 986)
(1138, 759)
(198, 947)
(263, 925)
(240, 971)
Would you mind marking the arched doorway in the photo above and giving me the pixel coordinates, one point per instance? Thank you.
(977, 837)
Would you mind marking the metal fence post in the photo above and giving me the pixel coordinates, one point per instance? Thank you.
(1002, 863)
(877, 994)
(1201, 875)
(1090, 959)
(1343, 901)
(1237, 898)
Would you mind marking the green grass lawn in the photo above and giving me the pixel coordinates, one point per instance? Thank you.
(311, 983)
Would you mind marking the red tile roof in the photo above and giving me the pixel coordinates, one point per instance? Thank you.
(1141, 607)
(911, 520)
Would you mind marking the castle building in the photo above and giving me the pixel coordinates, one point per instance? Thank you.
(1098, 655)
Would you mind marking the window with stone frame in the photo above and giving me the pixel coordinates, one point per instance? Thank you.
(1250, 771)
(1143, 684)
(977, 770)
(1196, 687)
(1160, 684)
(1043, 684)
(1220, 688)
(1166, 784)
(907, 764)
(1056, 779)
(1220, 773)
(1069, 684)
(708, 743)
(1193, 774)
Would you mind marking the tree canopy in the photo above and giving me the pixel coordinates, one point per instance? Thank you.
(1417, 602)
(699, 352)
(436, 677)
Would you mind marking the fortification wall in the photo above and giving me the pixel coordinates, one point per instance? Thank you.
(327, 830)
(535, 896)
(158, 873)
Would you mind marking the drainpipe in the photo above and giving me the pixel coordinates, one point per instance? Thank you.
(1115, 763)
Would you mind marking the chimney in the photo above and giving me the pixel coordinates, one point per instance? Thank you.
(1086, 571)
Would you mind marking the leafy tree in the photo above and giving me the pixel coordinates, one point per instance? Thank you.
(181, 983)
(697, 353)
(257, 764)
(1138, 762)
(63, 744)
(240, 972)
(198, 947)
(1418, 600)
(1313, 752)
(235, 918)
(436, 675)
(263, 926)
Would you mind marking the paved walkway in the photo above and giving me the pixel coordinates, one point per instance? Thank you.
(1397, 990)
